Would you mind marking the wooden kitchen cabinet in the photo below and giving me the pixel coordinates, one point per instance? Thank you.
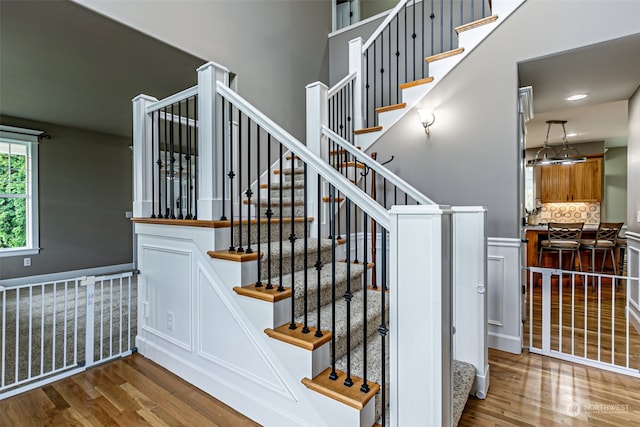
(578, 182)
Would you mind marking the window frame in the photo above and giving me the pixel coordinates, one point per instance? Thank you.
(30, 139)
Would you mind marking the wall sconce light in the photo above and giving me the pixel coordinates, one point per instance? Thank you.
(426, 118)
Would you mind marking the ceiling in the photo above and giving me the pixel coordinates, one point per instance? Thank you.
(609, 72)
(61, 63)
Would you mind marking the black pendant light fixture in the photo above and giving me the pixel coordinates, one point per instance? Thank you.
(549, 155)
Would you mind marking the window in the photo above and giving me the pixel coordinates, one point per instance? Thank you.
(18, 191)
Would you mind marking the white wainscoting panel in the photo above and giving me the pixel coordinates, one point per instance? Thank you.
(633, 270)
(504, 294)
(167, 294)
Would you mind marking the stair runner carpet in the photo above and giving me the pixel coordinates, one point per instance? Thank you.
(464, 373)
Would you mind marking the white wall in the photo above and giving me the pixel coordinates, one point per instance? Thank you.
(274, 47)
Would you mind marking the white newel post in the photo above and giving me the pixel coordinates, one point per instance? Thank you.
(210, 140)
(470, 292)
(317, 112)
(355, 65)
(142, 157)
(420, 315)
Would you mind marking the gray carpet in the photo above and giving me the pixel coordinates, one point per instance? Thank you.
(37, 332)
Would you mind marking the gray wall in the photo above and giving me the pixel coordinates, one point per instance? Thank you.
(339, 48)
(471, 157)
(633, 164)
(369, 8)
(275, 47)
(85, 189)
(615, 184)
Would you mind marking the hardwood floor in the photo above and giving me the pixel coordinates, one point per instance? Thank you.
(534, 390)
(132, 391)
(525, 390)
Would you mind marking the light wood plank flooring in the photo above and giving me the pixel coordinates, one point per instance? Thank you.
(526, 390)
(132, 391)
(533, 390)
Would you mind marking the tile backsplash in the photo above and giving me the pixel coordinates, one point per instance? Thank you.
(589, 213)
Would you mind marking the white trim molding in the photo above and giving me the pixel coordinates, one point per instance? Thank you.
(504, 317)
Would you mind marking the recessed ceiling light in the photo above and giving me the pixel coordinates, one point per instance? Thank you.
(576, 97)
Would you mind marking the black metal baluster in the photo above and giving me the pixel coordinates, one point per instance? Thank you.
(159, 163)
(226, 124)
(180, 168)
(381, 76)
(450, 24)
(422, 52)
(375, 78)
(432, 16)
(269, 212)
(406, 54)
(413, 36)
(366, 87)
(173, 163)
(240, 247)
(258, 217)
(365, 387)
(318, 264)
(389, 89)
(397, 21)
(348, 295)
(383, 330)
(166, 165)
(249, 193)
(188, 160)
(333, 375)
(231, 176)
(305, 327)
(153, 141)
(280, 287)
(292, 239)
(195, 153)
(441, 26)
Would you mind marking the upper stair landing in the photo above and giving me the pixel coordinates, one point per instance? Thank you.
(439, 65)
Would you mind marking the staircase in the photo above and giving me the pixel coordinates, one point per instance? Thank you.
(333, 331)
(322, 294)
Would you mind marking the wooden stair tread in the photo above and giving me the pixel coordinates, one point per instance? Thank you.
(391, 107)
(414, 83)
(235, 256)
(327, 199)
(341, 151)
(183, 222)
(287, 171)
(475, 24)
(289, 157)
(368, 130)
(443, 55)
(335, 389)
(296, 337)
(352, 165)
(262, 293)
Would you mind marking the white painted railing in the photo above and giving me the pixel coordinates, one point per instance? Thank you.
(51, 330)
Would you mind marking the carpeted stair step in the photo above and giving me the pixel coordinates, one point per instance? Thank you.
(298, 253)
(464, 374)
(300, 227)
(325, 286)
(340, 333)
(287, 204)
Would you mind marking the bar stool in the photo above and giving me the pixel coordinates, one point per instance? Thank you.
(563, 237)
(605, 241)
